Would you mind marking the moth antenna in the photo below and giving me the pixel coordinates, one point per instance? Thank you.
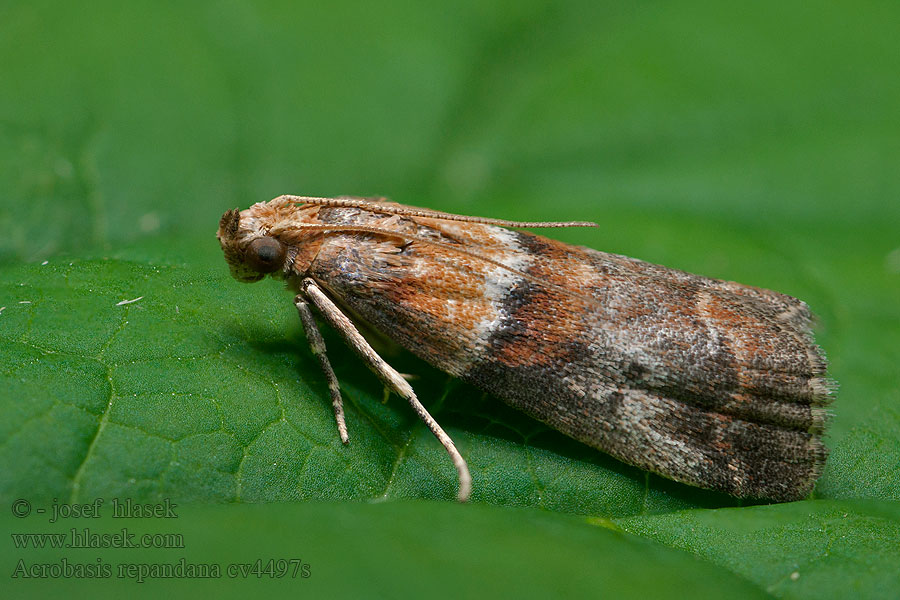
(450, 247)
(374, 206)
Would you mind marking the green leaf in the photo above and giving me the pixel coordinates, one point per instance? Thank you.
(818, 549)
(757, 145)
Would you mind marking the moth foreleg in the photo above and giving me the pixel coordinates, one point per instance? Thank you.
(317, 345)
(389, 376)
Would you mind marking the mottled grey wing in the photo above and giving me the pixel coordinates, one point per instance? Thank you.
(707, 382)
(703, 381)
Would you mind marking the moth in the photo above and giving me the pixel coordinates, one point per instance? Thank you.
(707, 382)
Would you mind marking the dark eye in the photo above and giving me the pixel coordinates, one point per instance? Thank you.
(265, 254)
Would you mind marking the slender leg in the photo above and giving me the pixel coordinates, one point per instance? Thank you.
(317, 345)
(389, 376)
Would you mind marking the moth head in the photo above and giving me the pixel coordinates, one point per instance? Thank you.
(250, 252)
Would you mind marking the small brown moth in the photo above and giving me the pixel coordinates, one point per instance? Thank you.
(707, 382)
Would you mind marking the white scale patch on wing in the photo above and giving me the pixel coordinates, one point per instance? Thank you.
(499, 282)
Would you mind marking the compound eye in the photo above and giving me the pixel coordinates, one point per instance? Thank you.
(265, 254)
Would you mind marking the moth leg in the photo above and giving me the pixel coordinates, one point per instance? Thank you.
(389, 376)
(317, 345)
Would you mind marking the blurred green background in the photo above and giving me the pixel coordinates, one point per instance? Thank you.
(755, 143)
